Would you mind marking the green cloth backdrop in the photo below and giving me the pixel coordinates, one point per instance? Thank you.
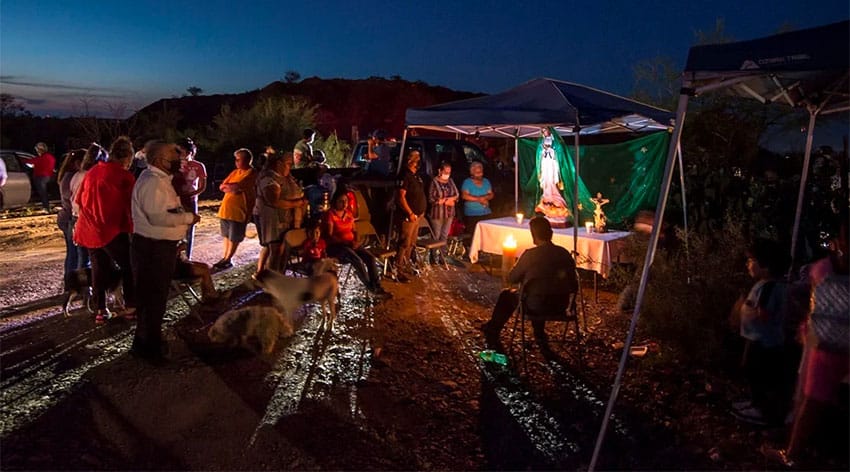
(628, 174)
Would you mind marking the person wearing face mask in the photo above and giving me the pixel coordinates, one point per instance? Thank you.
(159, 223)
(412, 203)
(443, 195)
(105, 223)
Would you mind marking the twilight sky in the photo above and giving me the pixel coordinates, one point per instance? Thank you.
(55, 55)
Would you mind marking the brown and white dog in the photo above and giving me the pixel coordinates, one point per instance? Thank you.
(292, 292)
(238, 327)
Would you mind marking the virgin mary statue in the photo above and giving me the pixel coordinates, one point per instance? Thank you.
(552, 204)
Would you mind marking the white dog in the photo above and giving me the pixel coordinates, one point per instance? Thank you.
(292, 292)
(263, 323)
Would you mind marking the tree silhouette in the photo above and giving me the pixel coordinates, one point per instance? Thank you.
(291, 76)
(10, 106)
(195, 90)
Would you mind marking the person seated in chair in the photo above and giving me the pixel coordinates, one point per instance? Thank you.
(544, 261)
(343, 245)
(186, 269)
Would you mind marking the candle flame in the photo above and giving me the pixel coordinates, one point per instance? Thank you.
(510, 242)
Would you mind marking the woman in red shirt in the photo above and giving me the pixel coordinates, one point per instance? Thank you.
(105, 224)
(342, 244)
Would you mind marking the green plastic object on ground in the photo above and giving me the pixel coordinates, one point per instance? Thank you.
(490, 355)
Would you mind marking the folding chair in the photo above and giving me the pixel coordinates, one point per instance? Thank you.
(553, 299)
(429, 241)
(372, 241)
(294, 240)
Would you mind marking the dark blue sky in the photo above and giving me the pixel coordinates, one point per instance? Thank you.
(56, 54)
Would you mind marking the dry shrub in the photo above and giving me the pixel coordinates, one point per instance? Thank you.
(692, 288)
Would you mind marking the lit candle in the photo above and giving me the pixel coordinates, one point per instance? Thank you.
(508, 256)
(589, 226)
(519, 217)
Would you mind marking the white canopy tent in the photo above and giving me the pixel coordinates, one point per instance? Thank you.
(806, 68)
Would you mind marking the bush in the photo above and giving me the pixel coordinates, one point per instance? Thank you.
(336, 150)
(690, 292)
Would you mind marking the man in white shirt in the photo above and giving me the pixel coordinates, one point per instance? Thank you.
(159, 223)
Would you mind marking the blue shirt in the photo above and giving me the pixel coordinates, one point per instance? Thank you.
(475, 208)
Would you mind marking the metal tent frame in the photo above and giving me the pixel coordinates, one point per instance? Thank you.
(804, 69)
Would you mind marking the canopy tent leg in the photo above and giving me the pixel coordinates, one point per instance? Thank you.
(576, 222)
(650, 254)
(516, 171)
(804, 176)
(684, 209)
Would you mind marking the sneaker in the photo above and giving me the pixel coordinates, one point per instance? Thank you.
(223, 264)
(102, 317)
(488, 328)
(777, 456)
(381, 294)
(752, 415)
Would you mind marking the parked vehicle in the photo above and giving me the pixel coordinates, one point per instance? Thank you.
(18, 188)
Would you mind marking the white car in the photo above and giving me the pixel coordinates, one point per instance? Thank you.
(16, 189)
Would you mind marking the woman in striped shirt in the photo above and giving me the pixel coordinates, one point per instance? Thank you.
(443, 196)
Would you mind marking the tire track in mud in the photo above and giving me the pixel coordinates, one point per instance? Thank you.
(35, 381)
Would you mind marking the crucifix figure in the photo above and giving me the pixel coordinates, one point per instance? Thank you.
(599, 219)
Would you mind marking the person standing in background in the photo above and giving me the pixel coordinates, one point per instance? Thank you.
(159, 222)
(443, 196)
(42, 172)
(105, 224)
(72, 163)
(190, 182)
(412, 203)
(237, 205)
(303, 151)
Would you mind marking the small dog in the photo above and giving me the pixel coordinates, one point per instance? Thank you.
(263, 323)
(78, 282)
(292, 292)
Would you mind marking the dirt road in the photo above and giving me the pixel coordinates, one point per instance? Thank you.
(397, 385)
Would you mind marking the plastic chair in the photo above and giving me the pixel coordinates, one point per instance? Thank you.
(559, 306)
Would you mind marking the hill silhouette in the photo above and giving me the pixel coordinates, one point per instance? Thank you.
(368, 104)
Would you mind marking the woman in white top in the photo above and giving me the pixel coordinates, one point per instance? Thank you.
(89, 160)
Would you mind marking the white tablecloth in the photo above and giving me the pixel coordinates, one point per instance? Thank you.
(596, 250)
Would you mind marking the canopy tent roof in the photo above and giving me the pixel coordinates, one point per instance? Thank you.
(523, 110)
(800, 68)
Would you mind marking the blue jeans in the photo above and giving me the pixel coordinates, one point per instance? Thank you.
(71, 253)
(83, 260)
(41, 188)
(440, 227)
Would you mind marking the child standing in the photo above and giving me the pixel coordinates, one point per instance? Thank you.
(763, 328)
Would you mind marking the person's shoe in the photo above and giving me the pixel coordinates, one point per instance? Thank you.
(381, 294)
(777, 456)
(401, 278)
(752, 415)
(214, 297)
(488, 328)
(223, 264)
(128, 313)
(102, 316)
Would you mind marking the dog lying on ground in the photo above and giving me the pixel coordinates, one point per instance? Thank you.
(238, 327)
(292, 292)
(78, 282)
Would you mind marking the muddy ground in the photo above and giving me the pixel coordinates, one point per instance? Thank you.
(397, 385)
